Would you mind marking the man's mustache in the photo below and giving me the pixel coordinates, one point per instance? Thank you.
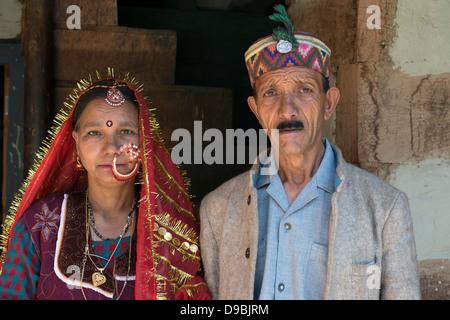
(297, 124)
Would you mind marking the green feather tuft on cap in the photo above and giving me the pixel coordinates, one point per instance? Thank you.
(286, 31)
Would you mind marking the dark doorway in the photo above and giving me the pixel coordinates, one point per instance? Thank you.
(12, 121)
(210, 42)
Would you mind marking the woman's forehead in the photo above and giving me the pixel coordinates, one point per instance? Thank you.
(100, 106)
(98, 109)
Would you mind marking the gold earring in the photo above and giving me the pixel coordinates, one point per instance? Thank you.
(79, 166)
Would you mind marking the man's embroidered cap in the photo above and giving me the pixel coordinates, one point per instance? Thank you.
(287, 48)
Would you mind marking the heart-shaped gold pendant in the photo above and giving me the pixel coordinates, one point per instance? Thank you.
(98, 279)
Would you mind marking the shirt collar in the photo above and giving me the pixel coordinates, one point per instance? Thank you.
(326, 174)
(260, 180)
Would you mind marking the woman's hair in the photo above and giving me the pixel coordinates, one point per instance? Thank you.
(99, 92)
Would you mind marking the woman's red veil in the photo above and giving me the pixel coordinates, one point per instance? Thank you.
(165, 269)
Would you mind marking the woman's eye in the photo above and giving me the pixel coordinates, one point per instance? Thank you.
(127, 131)
(93, 133)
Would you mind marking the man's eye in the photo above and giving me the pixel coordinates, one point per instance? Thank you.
(269, 94)
(305, 90)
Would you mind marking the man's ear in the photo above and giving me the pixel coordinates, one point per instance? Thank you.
(332, 97)
(253, 106)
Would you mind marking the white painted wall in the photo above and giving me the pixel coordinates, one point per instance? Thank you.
(10, 18)
(427, 184)
(422, 47)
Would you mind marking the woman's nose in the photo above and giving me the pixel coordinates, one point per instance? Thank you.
(112, 145)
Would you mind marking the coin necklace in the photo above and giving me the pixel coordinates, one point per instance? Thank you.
(97, 277)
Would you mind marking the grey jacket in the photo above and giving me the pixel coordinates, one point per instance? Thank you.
(371, 250)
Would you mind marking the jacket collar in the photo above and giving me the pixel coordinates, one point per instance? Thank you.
(341, 168)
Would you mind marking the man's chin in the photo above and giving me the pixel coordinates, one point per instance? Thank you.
(290, 150)
(291, 144)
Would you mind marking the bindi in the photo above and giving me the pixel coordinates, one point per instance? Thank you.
(109, 123)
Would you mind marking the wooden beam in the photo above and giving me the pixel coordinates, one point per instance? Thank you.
(37, 49)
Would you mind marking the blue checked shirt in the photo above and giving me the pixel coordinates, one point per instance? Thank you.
(293, 239)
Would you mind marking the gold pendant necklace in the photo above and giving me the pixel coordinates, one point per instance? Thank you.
(98, 278)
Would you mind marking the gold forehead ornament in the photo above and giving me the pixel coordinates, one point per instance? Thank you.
(114, 97)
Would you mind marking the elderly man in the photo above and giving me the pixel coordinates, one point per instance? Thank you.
(319, 228)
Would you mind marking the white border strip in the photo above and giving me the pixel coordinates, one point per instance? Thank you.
(71, 282)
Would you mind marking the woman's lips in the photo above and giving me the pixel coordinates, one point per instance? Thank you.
(108, 166)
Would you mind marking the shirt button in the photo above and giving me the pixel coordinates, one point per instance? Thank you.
(247, 253)
(280, 287)
(287, 226)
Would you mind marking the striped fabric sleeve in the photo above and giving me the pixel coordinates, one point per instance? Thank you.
(21, 268)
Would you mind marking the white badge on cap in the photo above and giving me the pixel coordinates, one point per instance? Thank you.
(284, 46)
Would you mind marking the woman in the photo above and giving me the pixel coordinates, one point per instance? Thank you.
(104, 213)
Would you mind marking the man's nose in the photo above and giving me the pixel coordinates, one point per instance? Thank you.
(288, 108)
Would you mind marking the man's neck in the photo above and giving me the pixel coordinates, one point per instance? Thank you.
(297, 170)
